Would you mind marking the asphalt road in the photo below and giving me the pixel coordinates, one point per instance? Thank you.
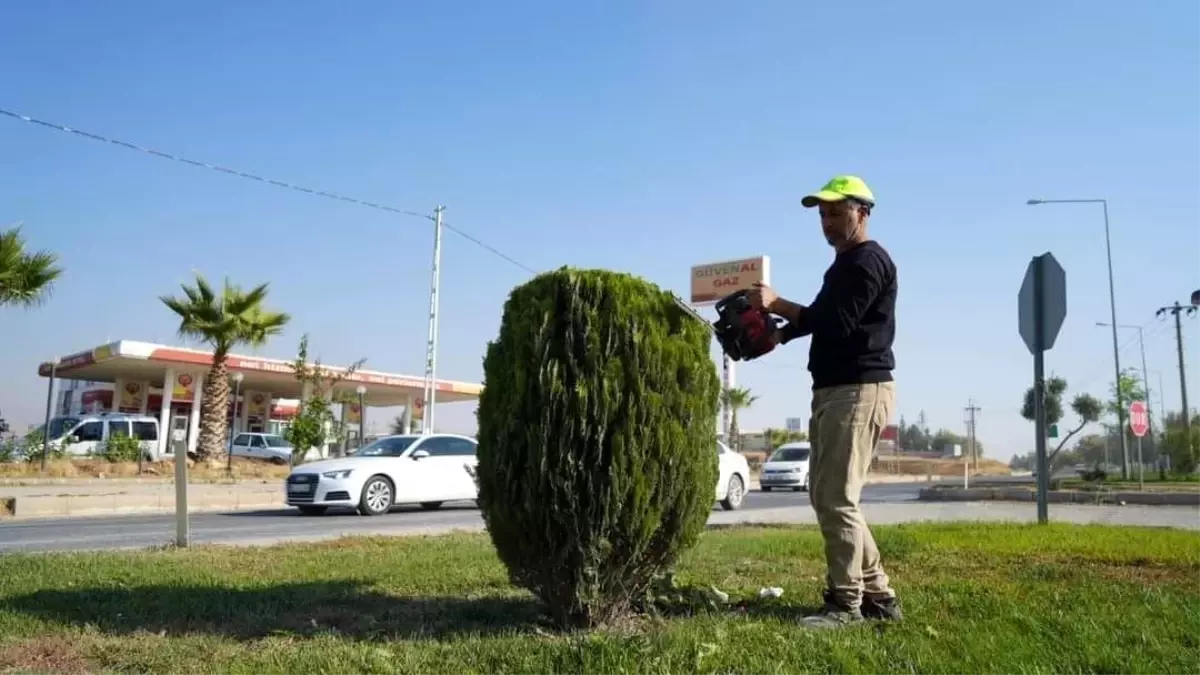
(248, 527)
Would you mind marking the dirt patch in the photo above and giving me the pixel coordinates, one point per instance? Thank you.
(44, 655)
(210, 471)
(919, 466)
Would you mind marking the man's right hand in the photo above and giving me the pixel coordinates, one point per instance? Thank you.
(762, 296)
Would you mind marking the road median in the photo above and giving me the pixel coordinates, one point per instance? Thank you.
(1025, 494)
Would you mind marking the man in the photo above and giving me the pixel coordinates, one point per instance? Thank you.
(852, 324)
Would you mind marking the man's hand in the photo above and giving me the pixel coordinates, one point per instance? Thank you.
(763, 296)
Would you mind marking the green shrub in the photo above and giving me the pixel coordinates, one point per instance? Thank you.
(597, 440)
(121, 449)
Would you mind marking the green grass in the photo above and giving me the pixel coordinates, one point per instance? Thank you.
(979, 598)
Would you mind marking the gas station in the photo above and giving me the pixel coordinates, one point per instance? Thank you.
(167, 382)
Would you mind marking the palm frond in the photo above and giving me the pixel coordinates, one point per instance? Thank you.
(233, 317)
(26, 279)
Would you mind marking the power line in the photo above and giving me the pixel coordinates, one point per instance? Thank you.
(261, 179)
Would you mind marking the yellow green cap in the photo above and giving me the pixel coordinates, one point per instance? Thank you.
(839, 188)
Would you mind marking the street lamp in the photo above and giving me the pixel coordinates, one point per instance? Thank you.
(237, 388)
(362, 414)
(1145, 383)
(1112, 303)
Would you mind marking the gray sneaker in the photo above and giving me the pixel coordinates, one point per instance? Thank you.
(832, 615)
(882, 608)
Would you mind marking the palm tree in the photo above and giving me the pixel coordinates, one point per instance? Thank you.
(225, 320)
(25, 278)
(737, 398)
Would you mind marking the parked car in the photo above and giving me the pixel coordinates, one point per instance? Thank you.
(733, 477)
(85, 435)
(787, 467)
(428, 469)
(270, 447)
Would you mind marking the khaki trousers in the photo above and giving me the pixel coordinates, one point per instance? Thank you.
(845, 426)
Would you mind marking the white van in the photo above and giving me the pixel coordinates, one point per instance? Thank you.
(82, 435)
(787, 467)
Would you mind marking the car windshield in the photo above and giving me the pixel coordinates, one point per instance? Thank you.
(275, 441)
(789, 455)
(58, 427)
(391, 446)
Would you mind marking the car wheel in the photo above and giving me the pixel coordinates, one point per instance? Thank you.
(765, 488)
(735, 493)
(278, 460)
(377, 496)
(312, 510)
(430, 506)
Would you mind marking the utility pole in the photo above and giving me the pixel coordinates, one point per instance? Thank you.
(431, 346)
(971, 409)
(1178, 310)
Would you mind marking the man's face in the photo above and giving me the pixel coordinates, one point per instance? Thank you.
(841, 221)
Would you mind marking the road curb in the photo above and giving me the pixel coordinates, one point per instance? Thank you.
(1059, 496)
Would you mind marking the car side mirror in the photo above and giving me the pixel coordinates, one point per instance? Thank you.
(71, 440)
(419, 454)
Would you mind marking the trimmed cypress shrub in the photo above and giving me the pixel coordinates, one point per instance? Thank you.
(597, 440)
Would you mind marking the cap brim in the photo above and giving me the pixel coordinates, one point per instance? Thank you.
(821, 196)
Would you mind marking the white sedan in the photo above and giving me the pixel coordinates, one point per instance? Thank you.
(431, 470)
(406, 469)
(733, 479)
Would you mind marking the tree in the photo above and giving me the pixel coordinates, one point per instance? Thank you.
(913, 438)
(26, 279)
(314, 424)
(945, 439)
(777, 437)
(597, 453)
(1087, 407)
(1183, 451)
(1093, 449)
(1131, 390)
(222, 320)
(737, 398)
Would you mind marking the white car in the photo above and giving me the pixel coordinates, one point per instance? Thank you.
(733, 479)
(426, 469)
(270, 447)
(787, 467)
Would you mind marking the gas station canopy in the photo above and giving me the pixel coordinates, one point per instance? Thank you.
(129, 360)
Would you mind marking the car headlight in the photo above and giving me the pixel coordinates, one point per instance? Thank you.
(340, 473)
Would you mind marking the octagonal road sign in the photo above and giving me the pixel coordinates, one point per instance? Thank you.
(1139, 419)
(1043, 295)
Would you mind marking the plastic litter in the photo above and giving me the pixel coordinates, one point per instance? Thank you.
(770, 592)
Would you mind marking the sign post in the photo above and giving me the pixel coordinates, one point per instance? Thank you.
(1139, 424)
(1042, 306)
(710, 283)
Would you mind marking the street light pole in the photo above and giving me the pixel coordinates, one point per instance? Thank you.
(1112, 303)
(362, 414)
(1145, 378)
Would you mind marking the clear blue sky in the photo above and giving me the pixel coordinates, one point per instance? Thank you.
(639, 136)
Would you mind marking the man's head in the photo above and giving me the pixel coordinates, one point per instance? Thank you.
(845, 204)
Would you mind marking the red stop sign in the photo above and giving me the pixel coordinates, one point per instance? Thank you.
(1139, 421)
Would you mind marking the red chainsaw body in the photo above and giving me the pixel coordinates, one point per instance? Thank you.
(744, 332)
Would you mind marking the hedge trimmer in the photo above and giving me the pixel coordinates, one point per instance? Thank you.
(744, 333)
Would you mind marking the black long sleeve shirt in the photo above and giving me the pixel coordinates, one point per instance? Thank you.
(852, 320)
